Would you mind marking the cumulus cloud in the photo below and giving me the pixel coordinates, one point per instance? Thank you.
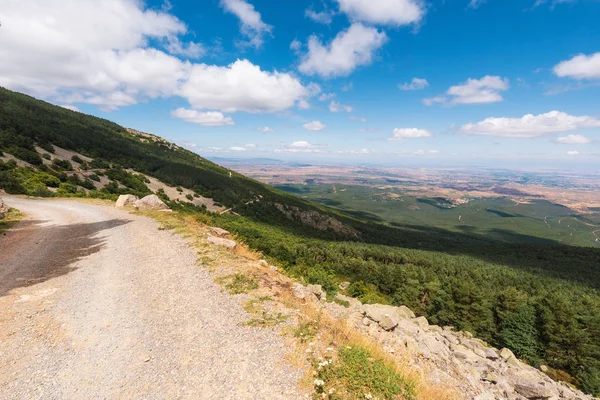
(295, 45)
(572, 153)
(209, 118)
(573, 139)
(241, 86)
(384, 12)
(326, 96)
(252, 25)
(350, 49)
(473, 91)
(266, 129)
(314, 126)
(409, 133)
(335, 106)
(530, 126)
(300, 146)
(415, 84)
(115, 54)
(322, 17)
(580, 67)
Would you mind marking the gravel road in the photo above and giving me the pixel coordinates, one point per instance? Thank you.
(96, 303)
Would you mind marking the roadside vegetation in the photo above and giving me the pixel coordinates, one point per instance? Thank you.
(10, 218)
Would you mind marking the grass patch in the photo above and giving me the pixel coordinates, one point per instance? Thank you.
(306, 331)
(238, 283)
(341, 302)
(360, 373)
(10, 218)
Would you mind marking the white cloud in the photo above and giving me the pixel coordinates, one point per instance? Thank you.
(580, 67)
(348, 50)
(361, 119)
(530, 126)
(314, 126)
(70, 107)
(237, 148)
(415, 84)
(301, 144)
(572, 153)
(347, 87)
(241, 86)
(573, 139)
(252, 25)
(432, 100)
(478, 91)
(322, 17)
(296, 45)
(367, 130)
(419, 152)
(410, 133)
(190, 50)
(326, 96)
(250, 146)
(209, 118)
(303, 104)
(356, 152)
(335, 106)
(474, 4)
(384, 12)
(266, 129)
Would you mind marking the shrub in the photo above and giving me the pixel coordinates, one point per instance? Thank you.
(77, 159)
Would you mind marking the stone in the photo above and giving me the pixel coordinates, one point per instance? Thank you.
(366, 321)
(506, 354)
(230, 244)
(376, 312)
(405, 312)
(491, 354)
(3, 209)
(150, 202)
(489, 377)
(273, 268)
(299, 291)
(126, 200)
(304, 293)
(388, 323)
(532, 391)
(219, 232)
(421, 322)
(263, 263)
(318, 291)
(351, 300)
(544, 368)
(344, 285)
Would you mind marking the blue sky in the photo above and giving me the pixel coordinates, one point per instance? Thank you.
(512, 83)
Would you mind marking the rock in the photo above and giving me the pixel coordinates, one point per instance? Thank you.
(531, 390)
(126, 200)
(151, 202)
(421, 322)
(230, 244)
(405, 312)
(299, 291)
(344, 285)
(220, 232)
(506, 354)
(366, 321)
(351, 300)
(273, 268)
(318, 291)
(263, 263)
(377, 312)
(491, 354)
(388, 323)
(544, 368)
(3, 209)
(490, 377)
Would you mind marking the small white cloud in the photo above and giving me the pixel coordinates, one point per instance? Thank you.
(209, 118)
(326, 96)
(384, 12)
(432, 100)
(573, 139)
(572, 153)
(419, 152)
(580, 67)
(296, 45)
(474, 4)
(356, 152)
(410, 133)
(415, 84)
(335, 106)
(266, 129)
(361, 119)
(314, 126)
(478, 91)
(303, 104)
(250, 146)
(301, 144)
(530, 126)
(367, 130)
(237, 148)
(434, 151)
(252, 25)
(70, 107)
(322, 17)
(190, 50)
(350, 49)
(347, 87)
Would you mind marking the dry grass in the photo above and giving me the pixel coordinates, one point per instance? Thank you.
(310, 331)
(12, 217)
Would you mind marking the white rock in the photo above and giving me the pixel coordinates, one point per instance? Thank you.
(219, 232)
(230, 244)
(150, 202)
(126, 200)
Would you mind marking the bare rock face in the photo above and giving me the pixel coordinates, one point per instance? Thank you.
(126, 200)
(230, 244)
(150, 202)
(311, 292)
(533, 390)
(316, 220)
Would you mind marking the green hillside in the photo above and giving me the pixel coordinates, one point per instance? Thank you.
(541, 298)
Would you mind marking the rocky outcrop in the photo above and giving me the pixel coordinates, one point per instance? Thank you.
(126, 200)
(456, 359)
(150, 202)
(230, 244)
(218, 231)
(310, 292)
(316, 220)
(3, 208)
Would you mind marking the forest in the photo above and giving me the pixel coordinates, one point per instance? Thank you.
(541, 300)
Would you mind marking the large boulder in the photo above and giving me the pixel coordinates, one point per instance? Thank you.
(150, 202)
(218, 231)
(533, 390)
(126, 200)
(230, 244)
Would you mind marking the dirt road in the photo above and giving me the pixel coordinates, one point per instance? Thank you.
(96, 303)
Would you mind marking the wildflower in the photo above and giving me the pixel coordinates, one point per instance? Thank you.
(368, 396)
(319, 382)
(331, 391)
(329, 349)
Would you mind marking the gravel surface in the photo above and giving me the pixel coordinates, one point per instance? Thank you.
(96, 303)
